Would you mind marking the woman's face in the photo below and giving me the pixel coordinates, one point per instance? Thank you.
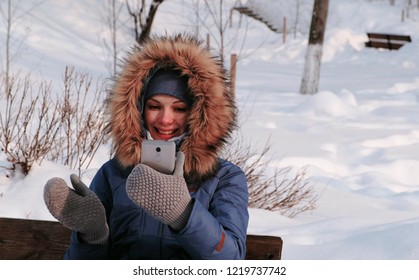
(165, 116)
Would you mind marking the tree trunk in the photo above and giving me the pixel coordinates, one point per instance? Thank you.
(311, 74)
(145, 33)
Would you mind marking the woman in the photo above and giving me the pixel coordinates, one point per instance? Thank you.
(170, 89)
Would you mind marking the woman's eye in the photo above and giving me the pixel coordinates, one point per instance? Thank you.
(181, 109)
(153, 107)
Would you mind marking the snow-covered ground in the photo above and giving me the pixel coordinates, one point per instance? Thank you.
(358, 136)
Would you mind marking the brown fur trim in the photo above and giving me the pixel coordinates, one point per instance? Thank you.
(213, 114)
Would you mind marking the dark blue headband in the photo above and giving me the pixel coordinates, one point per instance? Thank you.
(168, 82)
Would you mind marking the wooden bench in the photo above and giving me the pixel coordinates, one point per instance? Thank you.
(387, 41)
(22, 239)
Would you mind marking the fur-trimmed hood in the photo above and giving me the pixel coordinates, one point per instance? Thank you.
(213, 114)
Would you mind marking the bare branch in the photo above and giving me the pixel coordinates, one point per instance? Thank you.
(142, 23)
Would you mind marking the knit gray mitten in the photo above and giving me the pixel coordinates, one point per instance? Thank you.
(79, 209)
(165, 197)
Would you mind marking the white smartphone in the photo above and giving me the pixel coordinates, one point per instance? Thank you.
(159, 155)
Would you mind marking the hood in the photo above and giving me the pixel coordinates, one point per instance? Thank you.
(213, 113)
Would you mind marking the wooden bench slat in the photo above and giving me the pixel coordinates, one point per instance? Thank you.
(260, 247)
(384, 45)
(391, 37)
(22, 239)
(30, 239)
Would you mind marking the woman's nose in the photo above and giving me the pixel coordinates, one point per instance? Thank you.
(167, 117)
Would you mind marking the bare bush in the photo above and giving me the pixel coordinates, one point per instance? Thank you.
(29, 124)
(83, 120)
(34, 126)
(288, 194)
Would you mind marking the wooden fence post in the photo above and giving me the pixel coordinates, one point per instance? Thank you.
(233, 62)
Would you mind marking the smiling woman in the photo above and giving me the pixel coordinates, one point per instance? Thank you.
(171, 89)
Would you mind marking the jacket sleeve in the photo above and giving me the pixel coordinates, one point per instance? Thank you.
(219, 231)
(78, 249)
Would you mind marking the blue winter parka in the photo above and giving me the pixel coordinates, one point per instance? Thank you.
(216, 228)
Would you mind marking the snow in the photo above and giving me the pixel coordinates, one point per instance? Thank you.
(358, 137)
